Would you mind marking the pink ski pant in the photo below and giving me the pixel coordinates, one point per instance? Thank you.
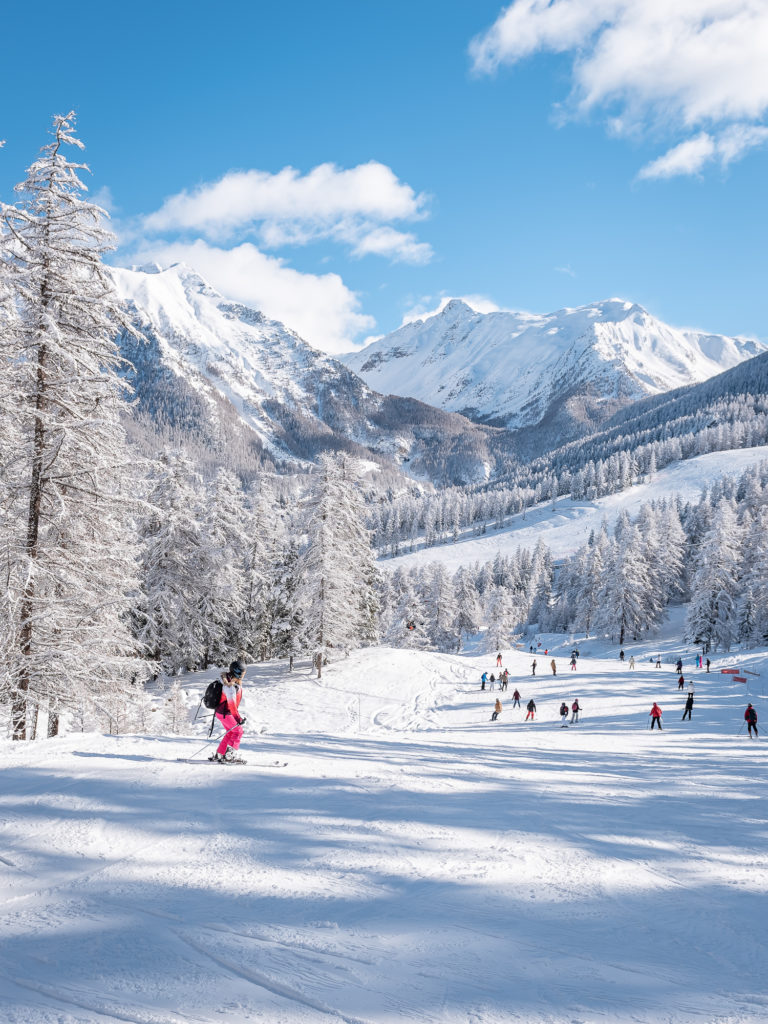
(232, 736)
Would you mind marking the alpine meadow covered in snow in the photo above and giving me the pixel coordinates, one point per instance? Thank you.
(386, 675)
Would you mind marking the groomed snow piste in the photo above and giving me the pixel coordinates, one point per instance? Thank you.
(412, 862)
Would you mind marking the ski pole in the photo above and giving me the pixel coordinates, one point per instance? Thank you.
(198, 710)
(741, 730)
(198, 751)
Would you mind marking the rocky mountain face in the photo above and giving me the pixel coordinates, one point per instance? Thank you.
(220, 380)
(549, 378)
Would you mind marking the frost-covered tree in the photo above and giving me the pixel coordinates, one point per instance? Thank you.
(176, 567)
(712, 614)
(468, 611)
(224, 540)
(503, 614)
(409, 627)
(70, 552)
(441, 608)
(287, 619)
(338, 573)
(627, 604)
(175, 713)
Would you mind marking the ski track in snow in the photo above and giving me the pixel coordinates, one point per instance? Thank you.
(414, 862)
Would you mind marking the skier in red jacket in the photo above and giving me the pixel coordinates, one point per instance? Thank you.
(750, 717)
(656, 716)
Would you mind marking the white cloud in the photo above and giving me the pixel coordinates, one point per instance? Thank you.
(353, 206)
(686, 158)
(397, 245)
(318, 307)
(739, 138)
(681, 66)
(691, 156)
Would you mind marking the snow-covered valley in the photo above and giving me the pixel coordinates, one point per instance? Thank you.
(412, 862)
(568, 525)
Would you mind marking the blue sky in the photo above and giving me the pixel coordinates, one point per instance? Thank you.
(343, 164)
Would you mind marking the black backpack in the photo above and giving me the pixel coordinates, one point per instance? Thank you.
(212, 695)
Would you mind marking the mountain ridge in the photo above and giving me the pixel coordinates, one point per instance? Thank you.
(229, 377)
(569, 370)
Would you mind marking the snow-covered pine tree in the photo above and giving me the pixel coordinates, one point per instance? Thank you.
(176, 567)
(468, 613)
(712, 614)
(540, 585)
(671, 554)
(409, 623)
(627, 604)
(338, 568)
(287, 621)
(755, 582)
(503, 614)
(225, 543)
(175, 712)
(72, 552)
(441, 608)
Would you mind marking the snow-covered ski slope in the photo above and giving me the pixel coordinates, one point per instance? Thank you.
(412, 863)
(566, 527)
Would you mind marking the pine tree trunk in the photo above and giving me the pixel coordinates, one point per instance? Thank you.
(33, 531)
(53, 723)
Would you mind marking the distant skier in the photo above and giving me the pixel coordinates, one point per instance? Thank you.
(498, 660)
(573, 663)
(621, 655)
(750, 717)
(690, 688)
(658, 661)
(563, 715)
(492, 681)
(496, 710)
(554, 667)
(575, 709)
(631, 661)
(688, 708)
(483, 680)
(531, 710)
(679, 665)
(681, 682)
(504, 679)
(656, 713)
(516, 699)
(228, 713)
(708, 664)
(533, 667)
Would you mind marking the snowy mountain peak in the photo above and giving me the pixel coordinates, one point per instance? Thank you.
(457, 307)
(239, 382)
(521, 369)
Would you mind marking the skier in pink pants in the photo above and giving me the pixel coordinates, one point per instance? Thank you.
(228, 713)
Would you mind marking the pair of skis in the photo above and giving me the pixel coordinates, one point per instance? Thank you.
(238, 760)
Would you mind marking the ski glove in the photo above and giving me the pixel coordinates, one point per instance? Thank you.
(241, 720)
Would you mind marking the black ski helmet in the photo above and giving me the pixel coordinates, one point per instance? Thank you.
(236, 668)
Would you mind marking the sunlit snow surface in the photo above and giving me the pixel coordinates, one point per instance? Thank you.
(413, 861)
